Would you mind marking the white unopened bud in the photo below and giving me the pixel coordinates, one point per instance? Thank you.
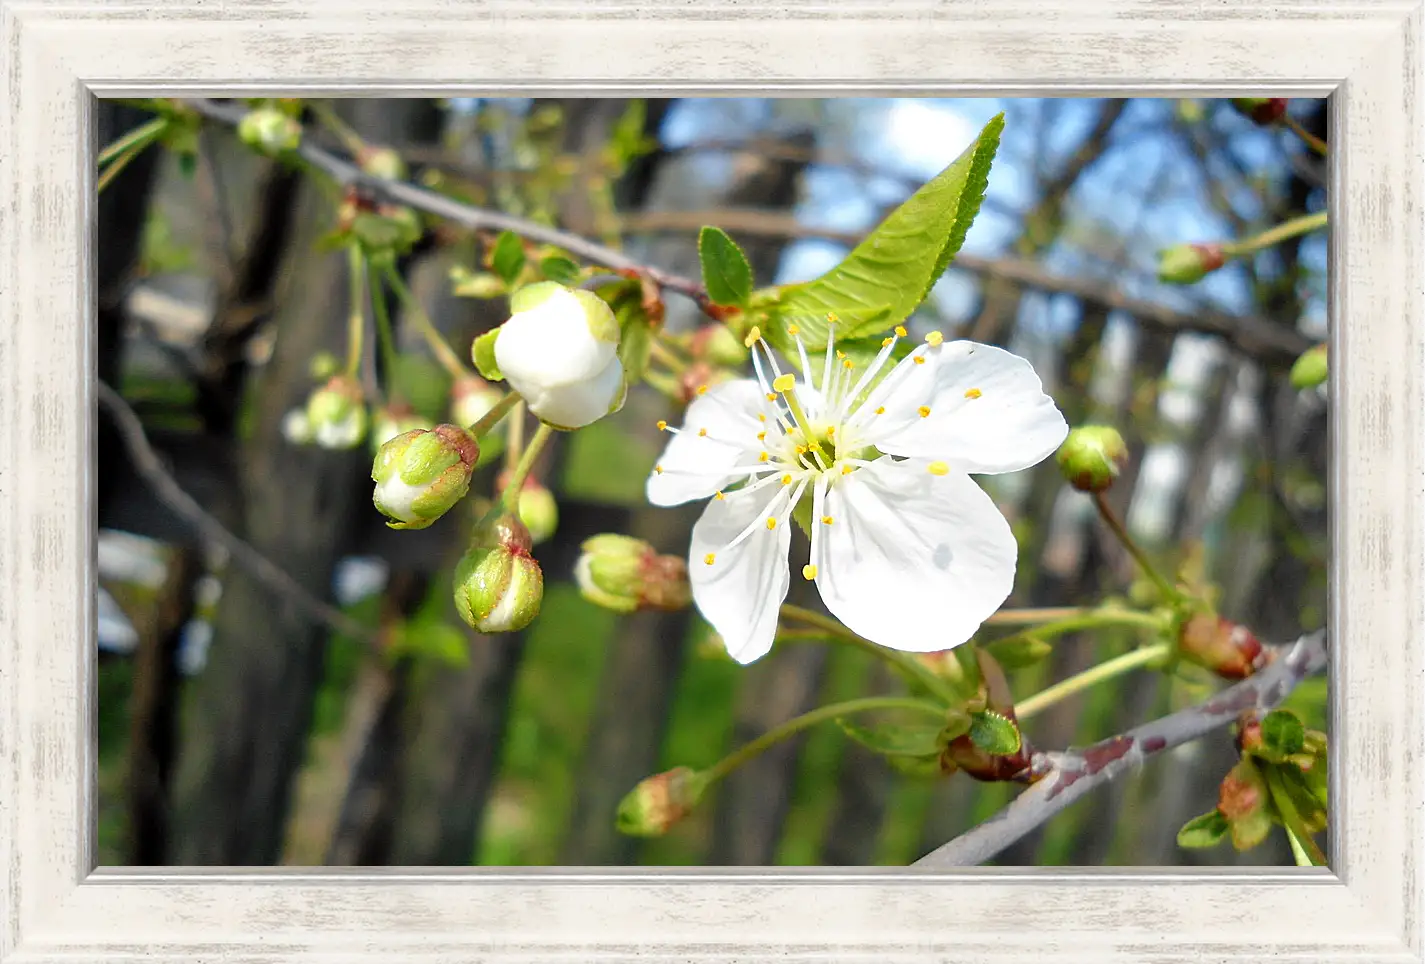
(297, 427)
(559, 350)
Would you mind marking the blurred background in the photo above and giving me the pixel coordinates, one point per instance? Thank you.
(235, 729)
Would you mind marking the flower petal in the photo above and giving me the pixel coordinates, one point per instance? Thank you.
(695, 466)
(987, 410)
(551, 344)
(741, 591)
(581, 403)
(912, 560)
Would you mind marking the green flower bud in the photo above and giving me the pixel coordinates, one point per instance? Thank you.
(382, 162)
(625, 574)
(538, 511)
(392, 420)
(718, 345)
(323, 366)
(1186, 264)
(653, 807)
(1228, 649)
(498, 586)
(420, 474)
(270, 130)
(1091, 457)
(337, 413)
(1265, 111)
(1310, 369)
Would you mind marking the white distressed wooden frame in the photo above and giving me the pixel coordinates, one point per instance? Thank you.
(1365, 53)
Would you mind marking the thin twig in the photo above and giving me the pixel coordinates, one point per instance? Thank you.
(348, 174)
(1062, 778)
(1254, 336)
(170, 493)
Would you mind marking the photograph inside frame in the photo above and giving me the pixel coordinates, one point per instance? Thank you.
(711, 482)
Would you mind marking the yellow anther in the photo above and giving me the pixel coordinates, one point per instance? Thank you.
(934, 339)
(771, 396)
(720, 497)
(702, 432)
(924, 411)
(784, 383)
(662, 425)
(886, 341)
(938, 468)
(920, 359)
(763, 457)
(846, 470)
(658, 469)
(841, 354)
(793, 330)
(702, 389)
(973, 393)
(802, 450)
(771, 523)
(761, 417)
(753, 337)
(709, 559)
(831, 431)
(808, 571)
(831, 317)
(761, 436)
(847, 364)
(787, 479)
(826, 520)
(900, 331)
(880, 409)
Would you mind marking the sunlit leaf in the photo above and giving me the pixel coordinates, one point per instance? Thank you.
(726, 273)
(887, 276)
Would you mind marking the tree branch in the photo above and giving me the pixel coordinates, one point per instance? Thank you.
(1259, 338)
(348, 174)
(1062, 778)
(1270, 343)
(150, 467)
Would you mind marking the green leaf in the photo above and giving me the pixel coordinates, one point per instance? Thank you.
(1250, 830)
(634, 348)
(1291, 781)
(892, 740)
(916, 766)
(507, 258)
(994, 733)
(1017, 652)
(558, 268)
(887, 276)
(482, 352)
(1282, 734)
(1204, 831)
(726, 273)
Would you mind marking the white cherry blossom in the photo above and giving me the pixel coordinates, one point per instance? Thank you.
(906, 549)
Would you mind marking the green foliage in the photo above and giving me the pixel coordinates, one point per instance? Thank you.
(894, 739)
(726, 272)
(560, 268)
(1204, 831)
(482, 353)
(507, 257)
(1282, 733)
(887, 276)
